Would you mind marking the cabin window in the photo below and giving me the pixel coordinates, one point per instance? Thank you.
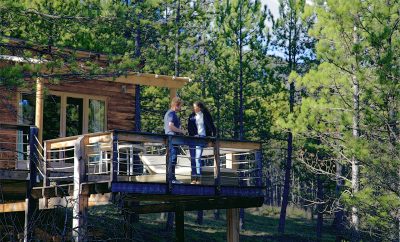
(66, 114)
(74, 117)
(51, 117)
(97, 116)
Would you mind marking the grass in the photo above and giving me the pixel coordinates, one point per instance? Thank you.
(260, 225)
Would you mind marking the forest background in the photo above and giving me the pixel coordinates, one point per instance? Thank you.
(318, 85)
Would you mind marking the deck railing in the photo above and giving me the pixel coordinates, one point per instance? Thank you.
(125, 156)
(15, 146)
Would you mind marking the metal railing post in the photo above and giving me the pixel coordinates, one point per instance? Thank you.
(217, 168)
(114, 164)
(259, 168)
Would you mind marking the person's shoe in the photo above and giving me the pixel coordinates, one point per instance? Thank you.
(176, 182)
(194, 180)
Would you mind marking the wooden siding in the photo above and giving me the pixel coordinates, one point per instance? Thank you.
(8, 114)
(120, 105)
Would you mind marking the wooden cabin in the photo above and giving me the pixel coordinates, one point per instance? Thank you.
(76, 139)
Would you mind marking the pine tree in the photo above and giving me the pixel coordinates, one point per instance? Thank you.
(290, 38)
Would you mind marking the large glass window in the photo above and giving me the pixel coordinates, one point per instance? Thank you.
(97, 116)
(80, 114)
(51, 117)
(74, 125)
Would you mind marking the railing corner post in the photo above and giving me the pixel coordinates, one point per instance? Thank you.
(80, 193)
(114, 164)
(217, 167)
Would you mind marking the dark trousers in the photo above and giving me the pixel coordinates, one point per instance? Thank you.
(174, 155)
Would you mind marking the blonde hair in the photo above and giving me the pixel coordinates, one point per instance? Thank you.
(176, 101)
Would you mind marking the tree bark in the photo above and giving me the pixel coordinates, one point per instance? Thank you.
(354, 161)
(170, 219)
(320, 215)
(288, 167)
(200, 215)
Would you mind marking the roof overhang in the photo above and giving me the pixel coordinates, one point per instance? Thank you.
(135, 78)
(146, 79)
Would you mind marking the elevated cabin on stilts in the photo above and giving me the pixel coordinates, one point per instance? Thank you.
(75, 139)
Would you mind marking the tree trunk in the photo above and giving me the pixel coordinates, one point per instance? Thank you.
(354, 161)
(216, 214)
(170, 219)
(288, 167)
(339, 214)
(200, 215)
(320, 208)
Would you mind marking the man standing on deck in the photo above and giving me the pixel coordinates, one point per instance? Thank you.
(172, 126)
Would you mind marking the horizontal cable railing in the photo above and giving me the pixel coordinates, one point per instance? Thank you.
(14, 146)
(144, 157)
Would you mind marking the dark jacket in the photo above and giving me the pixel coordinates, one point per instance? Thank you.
(208, 123)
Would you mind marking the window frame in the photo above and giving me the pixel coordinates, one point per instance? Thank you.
(63, 108)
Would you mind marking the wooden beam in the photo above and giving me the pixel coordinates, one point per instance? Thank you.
(150, 80)
(151, 138)
(172, 93)
(12, 207)
(39, 107)
(19, 175)
(199, 204)
(239, 145)
(232, 220)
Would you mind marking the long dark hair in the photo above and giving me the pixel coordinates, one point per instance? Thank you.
(202, 107)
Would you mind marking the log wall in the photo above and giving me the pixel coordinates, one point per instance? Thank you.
(120, 99)
(8, 114)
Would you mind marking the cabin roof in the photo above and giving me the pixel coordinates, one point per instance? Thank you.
(146, 79)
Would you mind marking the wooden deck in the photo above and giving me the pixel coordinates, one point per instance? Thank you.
(110, 167)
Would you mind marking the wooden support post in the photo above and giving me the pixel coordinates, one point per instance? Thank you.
(180, 225)
(80, 196)
(31, 205)
(217, 168)
(39, 107)
(172, 93)
(232, 220)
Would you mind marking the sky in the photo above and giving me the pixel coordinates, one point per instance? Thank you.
(273, 5)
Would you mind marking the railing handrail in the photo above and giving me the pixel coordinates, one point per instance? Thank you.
(209, 138)
(20, 127)
(116, 138)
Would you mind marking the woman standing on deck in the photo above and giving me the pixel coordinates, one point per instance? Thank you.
(200, 124)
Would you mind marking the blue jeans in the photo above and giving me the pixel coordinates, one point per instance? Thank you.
(195, 159)
(174, 156)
